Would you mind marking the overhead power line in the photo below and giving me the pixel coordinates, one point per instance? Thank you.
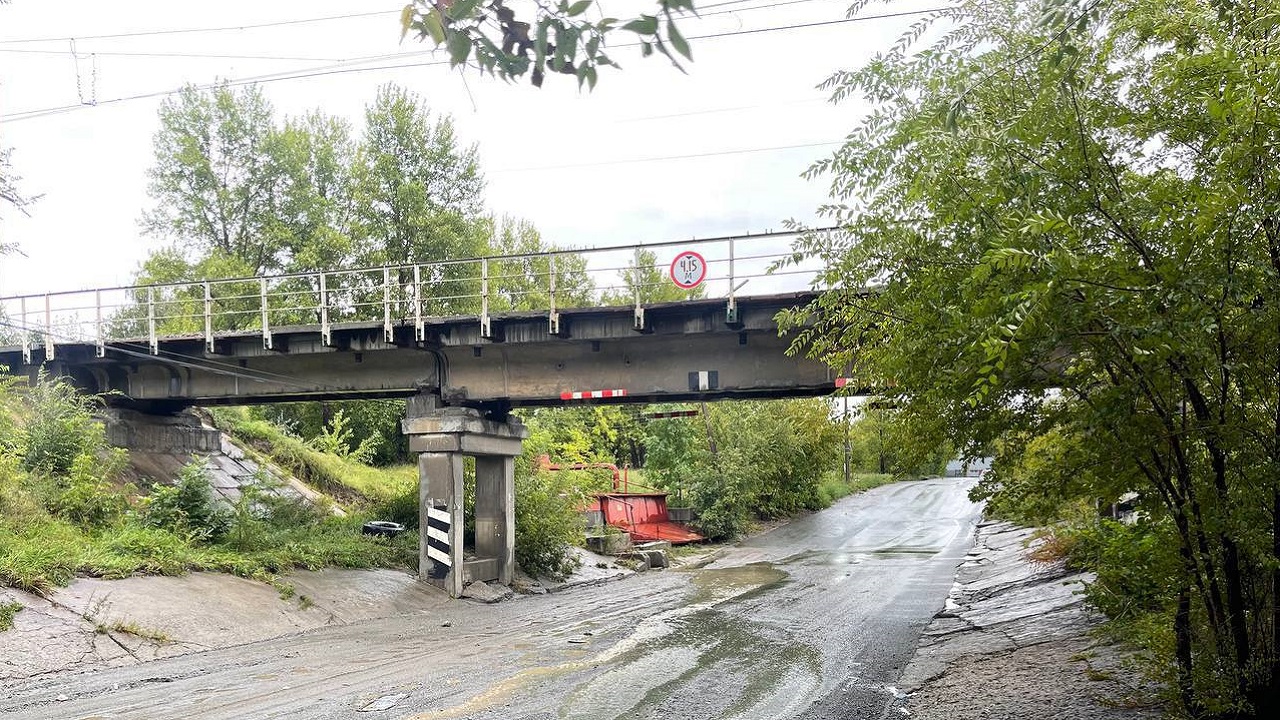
(183, 31)
(342, 68)
(313, 20)
(207, 56)
(740, 151)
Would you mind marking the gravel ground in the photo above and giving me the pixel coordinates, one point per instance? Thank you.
(1015, 641)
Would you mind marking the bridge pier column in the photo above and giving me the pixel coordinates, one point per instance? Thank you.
(443, 437)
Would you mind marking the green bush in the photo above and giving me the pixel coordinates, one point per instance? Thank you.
(1133, 565)
(187, 506)
(86, 496)
(58, 427)
(337, 438)
(548, 521)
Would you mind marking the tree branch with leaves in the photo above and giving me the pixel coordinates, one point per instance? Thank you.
(542, 37)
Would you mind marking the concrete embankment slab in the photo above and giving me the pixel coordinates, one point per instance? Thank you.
(1015, 641)
(96, 623)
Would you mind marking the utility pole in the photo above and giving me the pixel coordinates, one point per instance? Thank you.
(848, 470)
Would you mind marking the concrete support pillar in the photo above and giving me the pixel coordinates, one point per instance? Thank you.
(440, 519)
(444, 436)
(495, 512)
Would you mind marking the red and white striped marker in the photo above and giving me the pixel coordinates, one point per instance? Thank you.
(592, 394)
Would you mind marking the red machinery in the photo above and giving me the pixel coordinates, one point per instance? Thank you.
(641, 514)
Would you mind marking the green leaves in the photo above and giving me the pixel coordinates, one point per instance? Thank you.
(677, 40)
(406, 20)
(1071, 220)
(459, 48)
(643, 25)
(434, 25)
(556, 37)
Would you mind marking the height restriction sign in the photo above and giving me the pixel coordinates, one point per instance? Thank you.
(688, 270)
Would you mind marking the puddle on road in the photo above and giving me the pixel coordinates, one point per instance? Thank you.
(710, 663)
(835, 558)
(735, 582)
(748, 669)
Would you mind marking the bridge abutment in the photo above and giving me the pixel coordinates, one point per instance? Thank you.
(443, 437)
(182, 433)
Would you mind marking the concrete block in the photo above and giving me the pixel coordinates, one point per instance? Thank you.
(480, 570)
(490, 445)
(609, 543)
(434, 443)
(485, 592)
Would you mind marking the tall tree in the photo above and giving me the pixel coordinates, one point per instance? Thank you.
(418, 195)
(215, 177)
(1067, 214)
(647, 278)
(10, 194)
(418, 199)
(523, 282)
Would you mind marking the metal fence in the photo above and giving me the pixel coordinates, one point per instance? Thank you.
(404, 295)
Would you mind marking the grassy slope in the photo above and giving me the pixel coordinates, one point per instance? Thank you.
(341, 477)
(41, 547)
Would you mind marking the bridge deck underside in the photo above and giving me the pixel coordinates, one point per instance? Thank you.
(685, 351)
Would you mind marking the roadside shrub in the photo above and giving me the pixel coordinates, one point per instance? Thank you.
(548, 522)
(246, 528)
(39, 554)
(59, 426)
(86, 496)
(187, 506)
(337, 438)
(1133, 564)
(130, 549)
(402, 508)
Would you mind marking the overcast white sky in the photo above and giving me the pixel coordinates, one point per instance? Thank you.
(556, 156)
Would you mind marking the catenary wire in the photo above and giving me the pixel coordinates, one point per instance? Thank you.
(738, 151)
(182, 31)
(322, 72)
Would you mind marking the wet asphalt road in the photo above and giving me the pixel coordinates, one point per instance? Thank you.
(811, 620)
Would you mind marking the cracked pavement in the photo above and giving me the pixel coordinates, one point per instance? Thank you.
(1015, 641)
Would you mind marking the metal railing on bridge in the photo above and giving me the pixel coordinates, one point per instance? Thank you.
(404, 295)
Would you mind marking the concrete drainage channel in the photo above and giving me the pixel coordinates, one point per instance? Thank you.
(1015, 639)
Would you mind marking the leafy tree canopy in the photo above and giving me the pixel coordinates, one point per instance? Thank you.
(1066, 213)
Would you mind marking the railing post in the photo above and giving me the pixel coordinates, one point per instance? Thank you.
(266, 320)
(97, 305)
(419, 330)
(731, 312)
(635, 286)
(485, 327)
(48, 328)
(208, 317)
(388, 336)
(325, 331)
(26, 332)
(151, 322)
(553, 317)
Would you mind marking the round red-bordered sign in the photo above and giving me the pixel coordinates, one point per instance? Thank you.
(688, 270)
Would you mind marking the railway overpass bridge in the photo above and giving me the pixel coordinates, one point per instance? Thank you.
(466, 341)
